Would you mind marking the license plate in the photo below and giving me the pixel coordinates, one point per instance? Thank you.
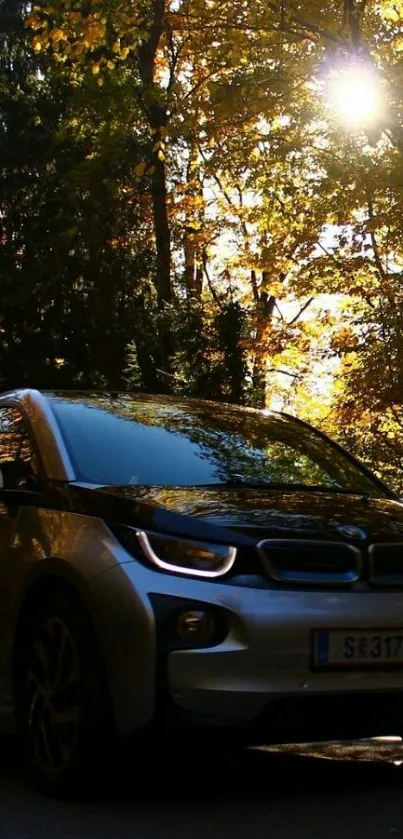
(358, 648)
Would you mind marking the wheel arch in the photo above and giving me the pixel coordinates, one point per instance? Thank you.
(60, 579)
(122, 621)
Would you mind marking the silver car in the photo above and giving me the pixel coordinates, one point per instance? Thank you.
(174, 564)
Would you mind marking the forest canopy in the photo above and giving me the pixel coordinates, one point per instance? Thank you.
(206, 198)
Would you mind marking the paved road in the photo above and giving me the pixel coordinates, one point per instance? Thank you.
(354, 792)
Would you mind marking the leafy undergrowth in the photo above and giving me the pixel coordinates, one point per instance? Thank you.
(382, 749)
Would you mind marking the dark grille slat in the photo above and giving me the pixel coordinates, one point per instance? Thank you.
(313, 562)
(386, 564)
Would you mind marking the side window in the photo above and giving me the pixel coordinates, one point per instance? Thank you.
(18, 462)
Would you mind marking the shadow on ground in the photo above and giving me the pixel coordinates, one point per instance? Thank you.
(252, 774)
(350, 790)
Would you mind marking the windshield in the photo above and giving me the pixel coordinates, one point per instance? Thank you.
(145, 441)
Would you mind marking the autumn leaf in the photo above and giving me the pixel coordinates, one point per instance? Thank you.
(140, 169)
(57, 35)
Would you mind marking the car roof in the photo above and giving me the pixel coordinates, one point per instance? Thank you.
(73, 395)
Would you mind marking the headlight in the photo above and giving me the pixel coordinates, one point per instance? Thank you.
(180, 556)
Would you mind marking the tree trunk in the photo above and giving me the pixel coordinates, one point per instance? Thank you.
(158, 117)
(194, 220)
(189, 253)
(147, 367)
(265, 304)
(259, 383)
(199, 281)
(162, 230)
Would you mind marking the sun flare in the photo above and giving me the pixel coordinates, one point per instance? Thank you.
(354, 92)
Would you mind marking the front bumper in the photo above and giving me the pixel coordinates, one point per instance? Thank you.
(259, 679)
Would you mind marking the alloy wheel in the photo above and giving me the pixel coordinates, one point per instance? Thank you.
(53, 699)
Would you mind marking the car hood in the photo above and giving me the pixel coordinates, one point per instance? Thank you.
(251, 514)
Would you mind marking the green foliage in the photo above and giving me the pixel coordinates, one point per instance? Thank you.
(75, 240)
(181, 211)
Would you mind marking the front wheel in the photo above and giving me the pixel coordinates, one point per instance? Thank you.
(61, 698)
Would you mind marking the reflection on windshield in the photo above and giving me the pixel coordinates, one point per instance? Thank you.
(149, 442)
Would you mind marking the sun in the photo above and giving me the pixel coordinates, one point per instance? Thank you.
(354, 93)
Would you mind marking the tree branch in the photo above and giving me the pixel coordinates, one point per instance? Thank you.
(375, 248)
(284, 372)
(218, 181)
(255, 289)
(353, 13)
(210, 284)
(302, 23)
(174, 57)
(148, 48)
(279, 310)
(302, 309)
(294, 23)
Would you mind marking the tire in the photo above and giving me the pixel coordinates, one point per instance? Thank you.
(62, 706)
